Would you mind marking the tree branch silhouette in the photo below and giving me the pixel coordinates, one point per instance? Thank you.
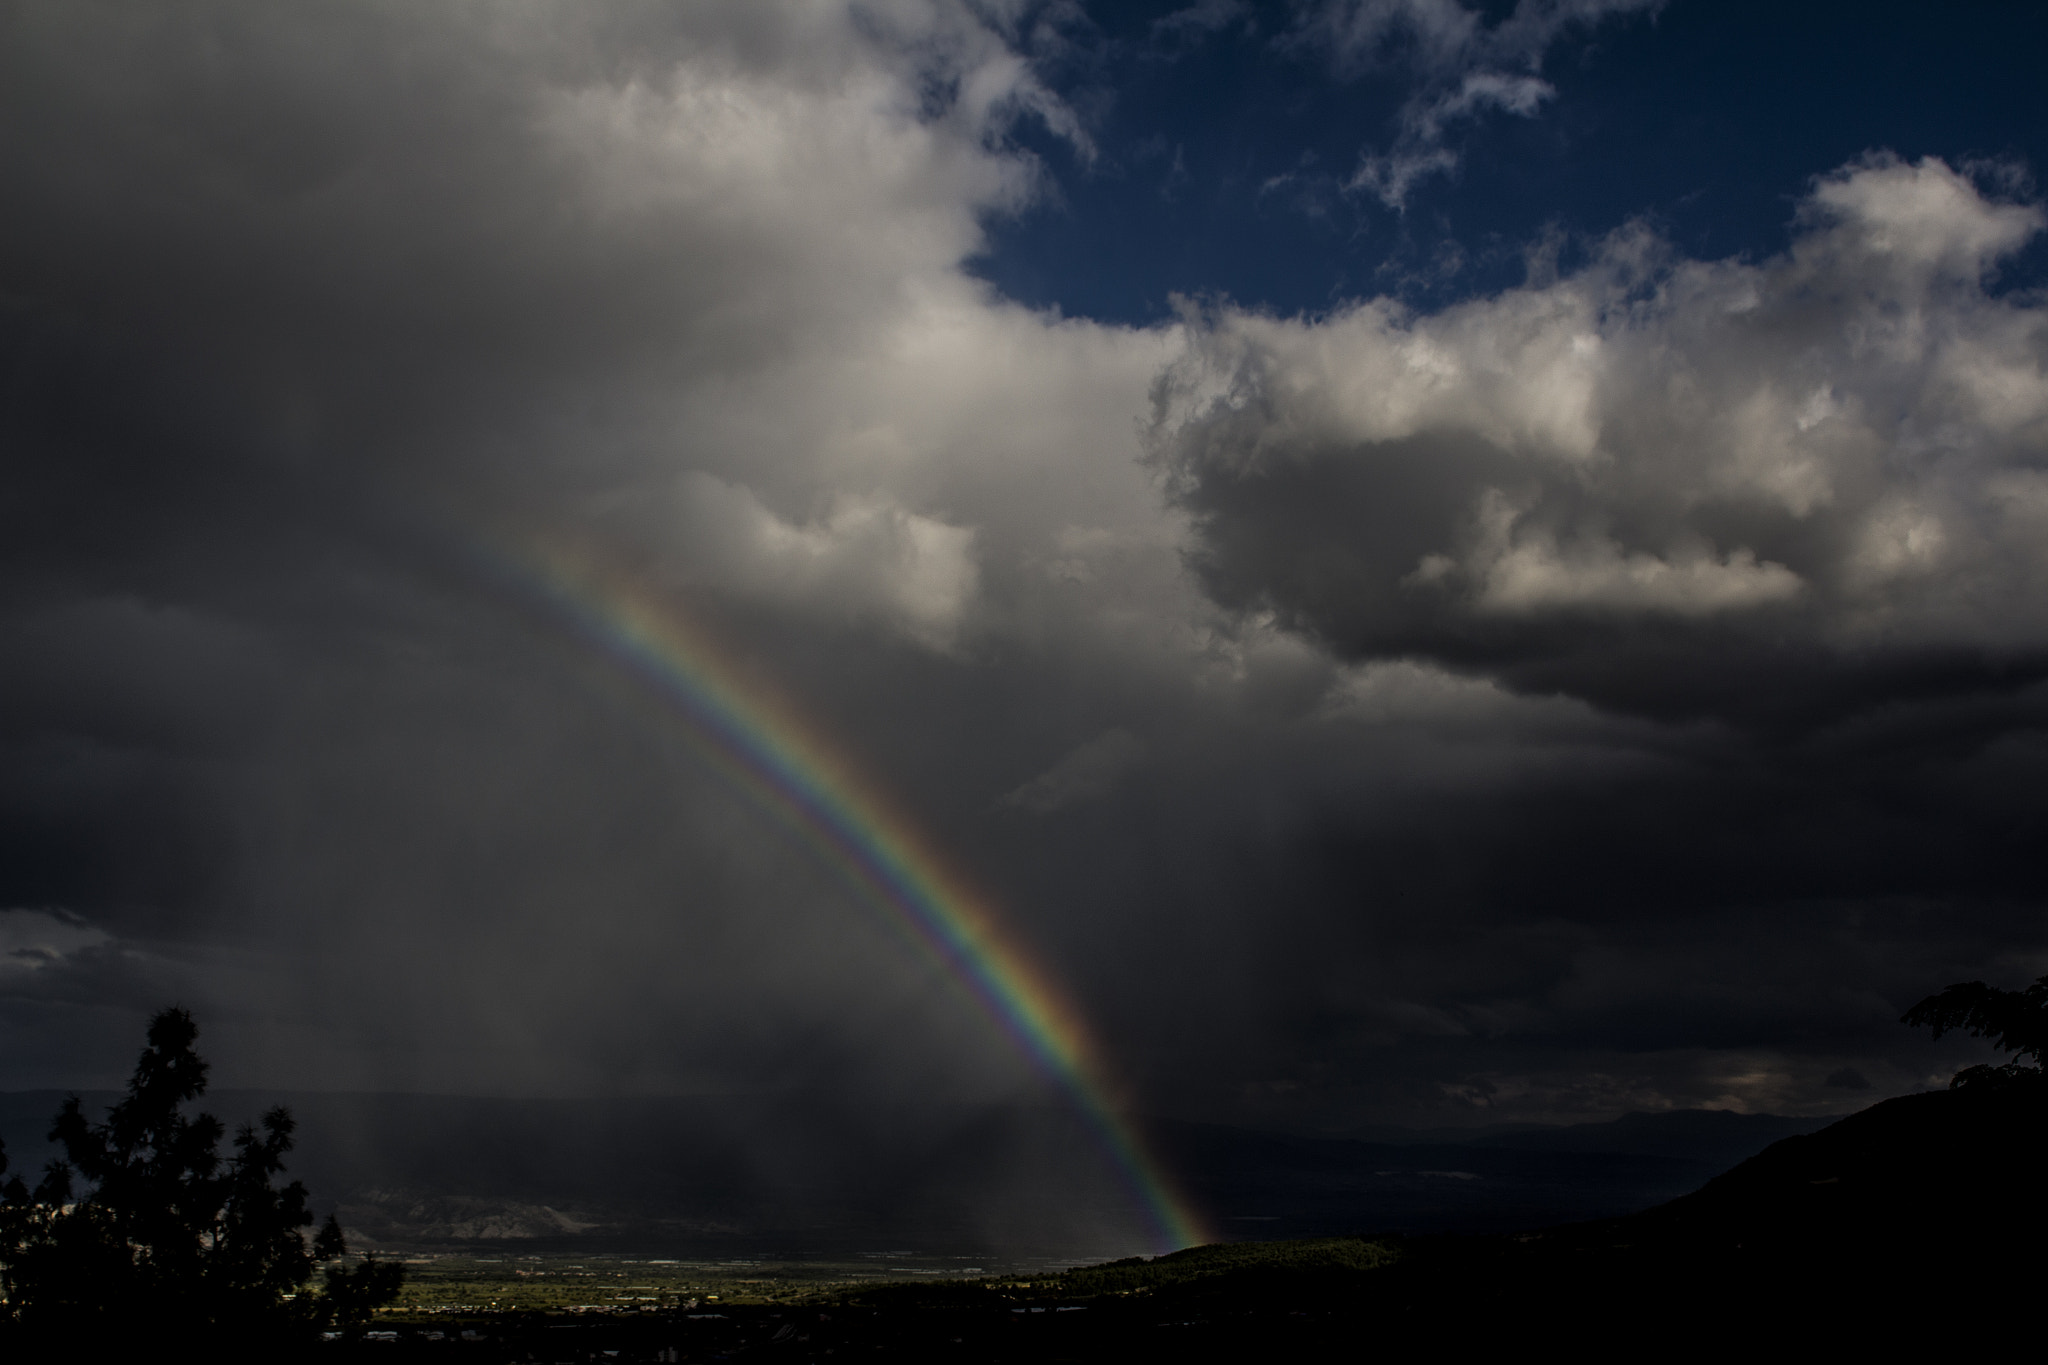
(2014, 1021)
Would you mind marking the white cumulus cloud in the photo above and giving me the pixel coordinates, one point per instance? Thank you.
(1839, 446)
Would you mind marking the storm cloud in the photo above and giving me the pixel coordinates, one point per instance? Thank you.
(1622, 690)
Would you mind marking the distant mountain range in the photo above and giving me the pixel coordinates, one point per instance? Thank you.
(1716, 1136)
(748, 1175)
(1471, 1180)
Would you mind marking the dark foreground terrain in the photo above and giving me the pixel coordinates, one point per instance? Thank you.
(1915, 1224)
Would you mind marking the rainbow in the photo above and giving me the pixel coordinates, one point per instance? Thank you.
(760, 741)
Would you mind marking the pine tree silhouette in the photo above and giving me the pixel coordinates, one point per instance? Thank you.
(169, 1234)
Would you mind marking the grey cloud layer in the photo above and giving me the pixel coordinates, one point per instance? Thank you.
(1342, 705)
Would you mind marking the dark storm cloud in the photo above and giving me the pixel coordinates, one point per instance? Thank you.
(1529, 908)
(1618, 692)
(302, 312)
(1786, 514)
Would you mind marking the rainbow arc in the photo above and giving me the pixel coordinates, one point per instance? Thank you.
(764, 745)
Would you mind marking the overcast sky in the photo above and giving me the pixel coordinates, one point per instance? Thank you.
(1440, 563)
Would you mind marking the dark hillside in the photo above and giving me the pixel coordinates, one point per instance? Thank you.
(1957, 1166)
(1903, 1226)
(1884, 1224)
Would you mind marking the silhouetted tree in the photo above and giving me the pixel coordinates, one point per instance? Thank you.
(351, 1295)
(169, 1232)
(2014, 1021)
